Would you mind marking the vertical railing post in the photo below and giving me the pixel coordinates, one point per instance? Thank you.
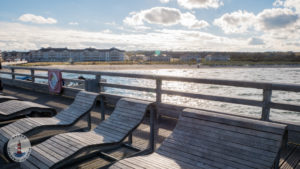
(13, 76)
(98, 79)
(32, 75)
(102, 105)
(158, 90)
(267, 94)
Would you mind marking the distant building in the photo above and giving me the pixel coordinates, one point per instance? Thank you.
(159, 58)
(209, 58)
(14, 55)
(138, 57)
(76, 55)
(190, 58)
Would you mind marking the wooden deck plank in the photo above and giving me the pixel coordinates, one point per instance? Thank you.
(292, 160)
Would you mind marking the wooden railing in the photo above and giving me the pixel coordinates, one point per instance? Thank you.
(266, 103)
(267, 88)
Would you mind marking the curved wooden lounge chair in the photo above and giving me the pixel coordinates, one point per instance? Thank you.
(82, 105)
(60, 149)
(207, 140)
(15, 108)
(7, 98)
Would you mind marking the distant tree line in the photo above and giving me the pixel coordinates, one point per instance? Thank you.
(265, 56)
(234, 56)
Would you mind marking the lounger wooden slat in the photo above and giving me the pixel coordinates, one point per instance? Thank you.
(37, 124)
(225, 137)
(204, 139)
(232, 128)
(227, 149)
(14, 108)
(236, 121)
(102, 137)
(7, 98)
(238, 135)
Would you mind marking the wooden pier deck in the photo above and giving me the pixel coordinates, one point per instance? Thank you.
(290, 157)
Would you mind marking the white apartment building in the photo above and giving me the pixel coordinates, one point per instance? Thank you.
(76, 55)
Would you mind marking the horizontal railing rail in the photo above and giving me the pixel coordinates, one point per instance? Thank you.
(266, 103)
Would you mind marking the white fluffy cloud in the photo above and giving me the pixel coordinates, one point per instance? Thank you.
(256, 41)
(236, 22)
(268, 19)
(73, 23)
(291, 4)
(164, 1)
(189, 20)
(166, 17)
(37, 19)
(191, 4)
(276, 18)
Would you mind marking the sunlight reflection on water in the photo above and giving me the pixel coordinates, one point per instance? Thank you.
(275, 75)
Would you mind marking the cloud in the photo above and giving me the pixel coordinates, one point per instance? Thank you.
(277, 18)
(37, 19)
(29, 37)
(17, 36)
(164, 1)
(107, 31)
(73, 23)
(295, 4)
(291, 4)
(268, 19)
(191, 4)
(256, 41)
(278, 3)
(236, 22)
(189, 20)
(164, 16)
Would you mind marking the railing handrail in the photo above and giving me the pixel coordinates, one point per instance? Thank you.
(223, 82)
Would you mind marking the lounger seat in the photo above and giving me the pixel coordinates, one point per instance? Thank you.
(6, 98)
(59, 150)
(15, 108)
(81, 106)
(207, 140)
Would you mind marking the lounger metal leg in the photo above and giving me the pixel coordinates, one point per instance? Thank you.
(130, 139)
(89, 121)
(153, 130)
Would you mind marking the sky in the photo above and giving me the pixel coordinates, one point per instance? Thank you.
(174, 25)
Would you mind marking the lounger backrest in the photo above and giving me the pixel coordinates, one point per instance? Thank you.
(127, 115)
(215, 140)
(82, 104)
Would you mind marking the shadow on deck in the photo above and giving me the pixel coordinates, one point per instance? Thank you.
(290, 157)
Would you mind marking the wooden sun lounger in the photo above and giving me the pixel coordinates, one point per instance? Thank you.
(208, 140)
(14, 108)
(82, 105)
(7, 98)
(61, 149)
